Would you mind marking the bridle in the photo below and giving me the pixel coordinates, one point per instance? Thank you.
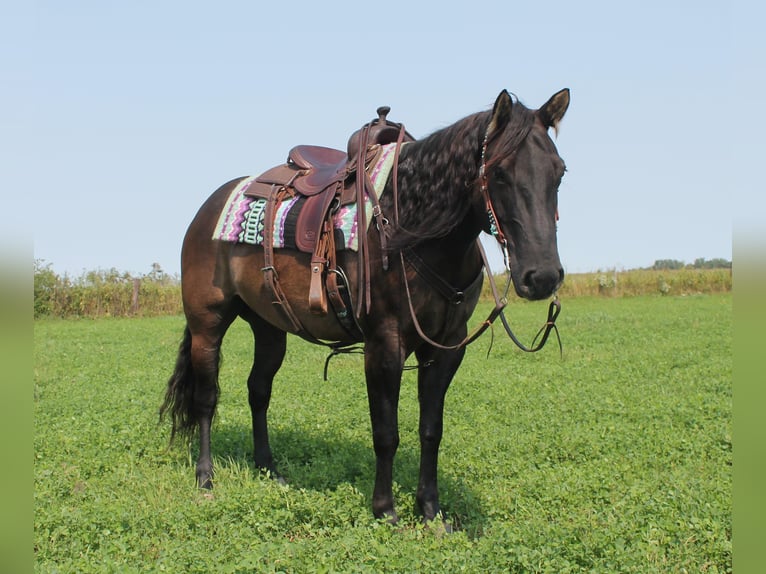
(500, 300)
(496, 231)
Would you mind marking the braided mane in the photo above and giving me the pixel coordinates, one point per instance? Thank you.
(438, 175)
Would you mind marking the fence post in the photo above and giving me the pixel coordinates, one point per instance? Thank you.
(134, 301)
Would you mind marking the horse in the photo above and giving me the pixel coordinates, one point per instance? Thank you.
(496, 171)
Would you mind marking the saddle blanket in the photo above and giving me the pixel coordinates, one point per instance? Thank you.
(242, 217)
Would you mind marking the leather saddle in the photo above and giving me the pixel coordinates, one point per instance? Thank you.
(327, 178)
(323, 176)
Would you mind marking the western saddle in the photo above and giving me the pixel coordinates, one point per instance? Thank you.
(328, 179)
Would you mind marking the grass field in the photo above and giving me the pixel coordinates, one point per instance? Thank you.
(615, 459)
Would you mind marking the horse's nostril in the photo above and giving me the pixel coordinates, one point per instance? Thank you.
(528, 278)
(540, 284)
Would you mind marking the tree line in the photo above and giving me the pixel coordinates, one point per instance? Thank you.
(699, 263)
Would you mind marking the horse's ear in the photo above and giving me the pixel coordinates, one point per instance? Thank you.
(554, 109)
(501, 113)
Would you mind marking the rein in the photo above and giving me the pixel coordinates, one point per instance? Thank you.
(550, 324)
(442, 287)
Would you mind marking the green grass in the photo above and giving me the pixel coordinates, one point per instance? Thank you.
(615, 459)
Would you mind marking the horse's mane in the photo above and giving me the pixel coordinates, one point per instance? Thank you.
(438, 175)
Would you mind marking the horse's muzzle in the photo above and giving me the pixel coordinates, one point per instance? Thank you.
(539, 284)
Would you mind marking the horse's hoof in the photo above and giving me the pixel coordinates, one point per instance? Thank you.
(280, 480)
(438, 525)
(389, 517)
(204, 479)
(272, 474)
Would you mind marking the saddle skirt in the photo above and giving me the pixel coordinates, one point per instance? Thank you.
(242, 219)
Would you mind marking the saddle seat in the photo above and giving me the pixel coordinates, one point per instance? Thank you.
(316, 157)
(324, 167)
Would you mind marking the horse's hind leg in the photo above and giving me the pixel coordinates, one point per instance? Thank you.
(269, 351)
(192, 390)
(205, 358)
(206, 352)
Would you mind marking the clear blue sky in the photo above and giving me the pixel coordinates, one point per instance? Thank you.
(120, 118)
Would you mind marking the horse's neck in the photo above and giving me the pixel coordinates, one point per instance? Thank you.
(455, 257)
(435, 192)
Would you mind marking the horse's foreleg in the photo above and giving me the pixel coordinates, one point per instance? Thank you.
(383, 369)
(270, 347)
(437, 369)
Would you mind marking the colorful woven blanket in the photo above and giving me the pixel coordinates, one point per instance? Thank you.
(242, 217)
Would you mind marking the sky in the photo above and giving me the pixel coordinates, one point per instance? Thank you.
(118, 119)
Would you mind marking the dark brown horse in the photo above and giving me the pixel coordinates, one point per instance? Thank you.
(496, 171)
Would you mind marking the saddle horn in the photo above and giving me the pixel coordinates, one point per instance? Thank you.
(381, 131)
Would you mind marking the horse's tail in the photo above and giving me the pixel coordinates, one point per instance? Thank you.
(180, 392)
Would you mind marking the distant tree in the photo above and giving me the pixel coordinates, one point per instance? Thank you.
(699, 263)
(663, 264)
(718, 263)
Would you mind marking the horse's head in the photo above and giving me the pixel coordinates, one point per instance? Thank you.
(521, 175)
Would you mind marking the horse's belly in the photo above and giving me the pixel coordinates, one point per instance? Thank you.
(293, 274)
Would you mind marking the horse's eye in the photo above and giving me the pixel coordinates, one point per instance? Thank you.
(500, 176)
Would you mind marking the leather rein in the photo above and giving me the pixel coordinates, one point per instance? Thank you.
(456, 297)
